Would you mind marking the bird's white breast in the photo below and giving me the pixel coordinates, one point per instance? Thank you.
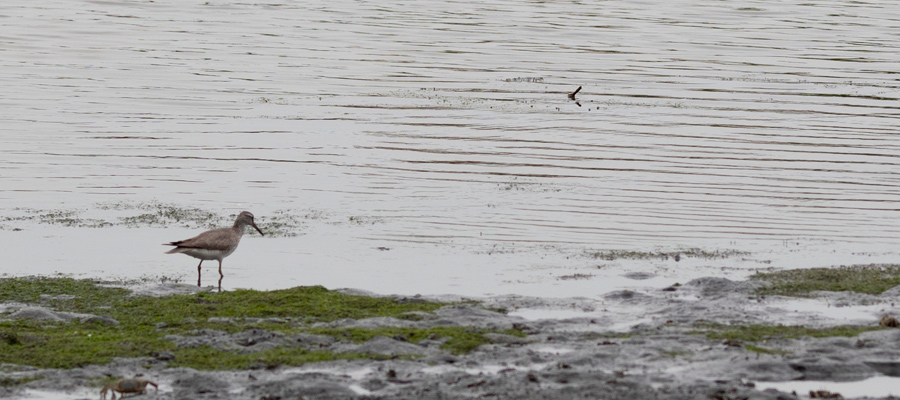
(206, 254)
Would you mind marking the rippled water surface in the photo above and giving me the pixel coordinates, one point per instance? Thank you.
(431, 147)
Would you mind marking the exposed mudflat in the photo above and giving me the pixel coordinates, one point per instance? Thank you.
(589, 356)
(433, 149)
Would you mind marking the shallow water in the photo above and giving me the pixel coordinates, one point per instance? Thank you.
(879, 386)
(436, 146)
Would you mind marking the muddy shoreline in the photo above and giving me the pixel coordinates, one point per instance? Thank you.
(667, 356)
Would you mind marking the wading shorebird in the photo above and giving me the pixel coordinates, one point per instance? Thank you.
(215, 244)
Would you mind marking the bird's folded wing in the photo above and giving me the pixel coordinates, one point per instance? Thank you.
(219, 239)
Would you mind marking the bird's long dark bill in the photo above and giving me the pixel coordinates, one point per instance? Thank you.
(259, 230)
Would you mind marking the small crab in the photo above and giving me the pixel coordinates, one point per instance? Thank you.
(127, 385)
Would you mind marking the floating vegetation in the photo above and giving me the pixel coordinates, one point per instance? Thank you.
(162, 214)
(516, 185)
(527, 79)
(574, 277)
(69, 218)
(497, 249)
(288, 223)
(281, 223)
(611, 255)
(364, 220)
(871, 278)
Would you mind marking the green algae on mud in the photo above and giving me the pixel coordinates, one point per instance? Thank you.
(757, 332)
(871, 279)
(143, 322)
